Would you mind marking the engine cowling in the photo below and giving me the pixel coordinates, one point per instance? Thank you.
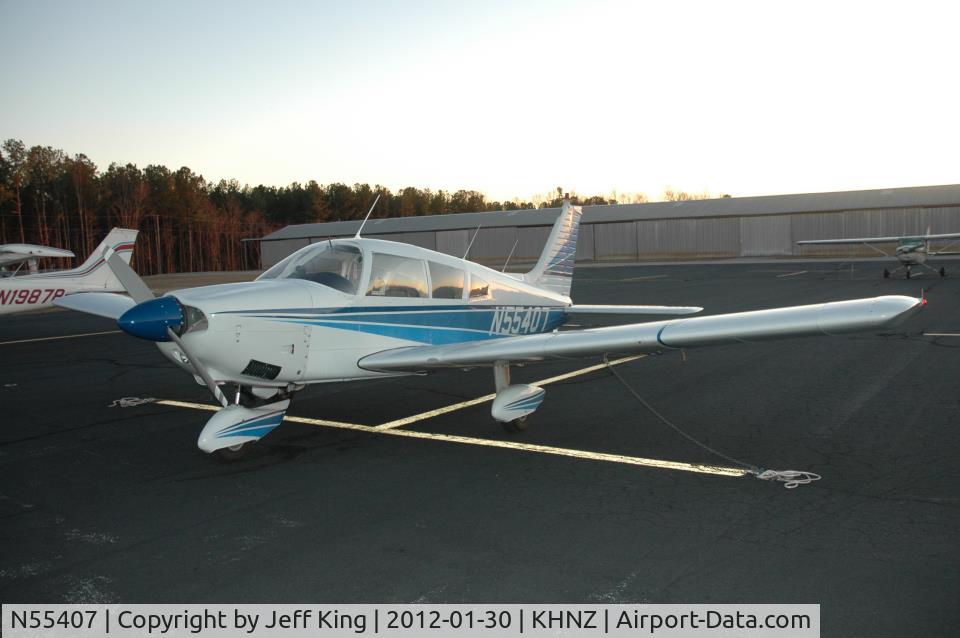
(516, 401)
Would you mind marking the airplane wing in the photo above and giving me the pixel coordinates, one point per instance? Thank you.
(15, 253)
(818, 319)
(878, 240)
(858, 240)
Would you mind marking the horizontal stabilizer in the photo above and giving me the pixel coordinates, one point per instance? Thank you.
(102, 304)
(580, 309)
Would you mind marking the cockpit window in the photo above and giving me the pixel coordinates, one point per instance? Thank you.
(447, 281)
(335, 265)
(393, 276)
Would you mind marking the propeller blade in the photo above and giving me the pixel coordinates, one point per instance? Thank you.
(130, 279)
(202, 371)
(103, 304)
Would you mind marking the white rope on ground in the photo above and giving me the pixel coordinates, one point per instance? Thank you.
(790, 478)
(130, 402)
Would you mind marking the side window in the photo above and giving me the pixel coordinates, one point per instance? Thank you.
(393, 276)
(478, 288)
(447, 281)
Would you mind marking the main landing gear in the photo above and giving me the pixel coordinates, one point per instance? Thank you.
(907, 273)
(513, 404)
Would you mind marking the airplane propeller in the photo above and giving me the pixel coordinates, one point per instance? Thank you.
(155, 318)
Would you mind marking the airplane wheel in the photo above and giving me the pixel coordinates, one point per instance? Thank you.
(234, 452)
(886, 274)
(908, 274)
(517, 425)
(943, 272)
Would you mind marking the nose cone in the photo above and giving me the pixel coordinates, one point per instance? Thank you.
(150, 319)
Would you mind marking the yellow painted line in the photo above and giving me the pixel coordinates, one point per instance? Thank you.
(792, 274)
(86, 334)
(214, 408)
(490, 397)
(698, 468)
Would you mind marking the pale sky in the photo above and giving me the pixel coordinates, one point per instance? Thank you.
(511, 98)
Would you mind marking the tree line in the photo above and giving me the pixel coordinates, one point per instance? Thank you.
(188, 224)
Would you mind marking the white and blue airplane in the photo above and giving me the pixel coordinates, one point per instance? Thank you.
(357, 308)
(35, 290)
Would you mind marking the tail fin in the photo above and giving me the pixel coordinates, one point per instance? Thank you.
(554, 270)
(94, 272)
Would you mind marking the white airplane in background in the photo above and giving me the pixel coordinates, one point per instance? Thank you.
(19, 254)
(912, 250)
(19, 293)
(350, 309)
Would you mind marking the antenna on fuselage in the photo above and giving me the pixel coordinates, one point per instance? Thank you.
(470, 245)
(504, 269)
(369, 212)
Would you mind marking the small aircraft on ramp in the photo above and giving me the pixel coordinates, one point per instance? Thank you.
(912, 250)
(19, 293)
(357, 308)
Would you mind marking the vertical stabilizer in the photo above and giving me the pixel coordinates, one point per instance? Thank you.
(94, 273)
(554, 270)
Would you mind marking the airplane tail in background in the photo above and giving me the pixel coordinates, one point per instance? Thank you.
(94, 273)
(554, 270)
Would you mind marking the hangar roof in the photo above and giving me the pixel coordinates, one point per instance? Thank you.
(926, 196)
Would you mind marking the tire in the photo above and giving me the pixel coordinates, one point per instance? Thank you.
(943, 272)
(886, 274)
(233, 453)
(517, 425)
(908, 274)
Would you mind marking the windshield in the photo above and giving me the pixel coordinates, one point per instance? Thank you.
(335, 265)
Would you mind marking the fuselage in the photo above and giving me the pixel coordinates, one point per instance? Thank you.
(313, 316)
(911, 251)
(33, 292)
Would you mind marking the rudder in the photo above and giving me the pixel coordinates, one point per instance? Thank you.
(554, 269)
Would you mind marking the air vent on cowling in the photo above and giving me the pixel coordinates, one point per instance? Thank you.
(261, 370)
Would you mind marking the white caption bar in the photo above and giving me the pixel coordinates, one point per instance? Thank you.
(55, 621)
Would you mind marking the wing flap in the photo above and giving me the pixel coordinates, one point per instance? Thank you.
(795, 321)
(581, 309)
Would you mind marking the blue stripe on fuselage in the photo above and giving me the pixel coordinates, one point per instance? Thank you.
(433, 325)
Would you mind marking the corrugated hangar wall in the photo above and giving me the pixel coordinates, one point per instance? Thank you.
(699, 235)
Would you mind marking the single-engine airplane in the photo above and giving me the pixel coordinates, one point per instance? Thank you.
(912, 250)
(39, 290)
(358, 308)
